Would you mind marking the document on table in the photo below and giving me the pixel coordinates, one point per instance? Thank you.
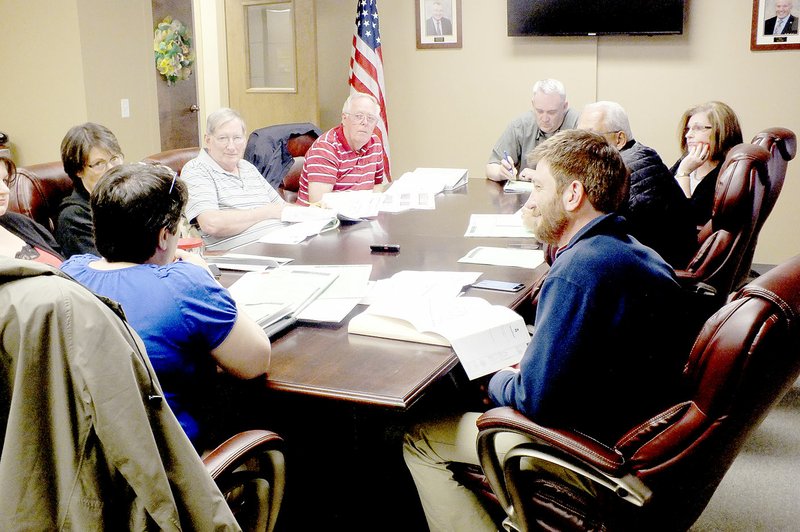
(353, 205)
(519, 257)
(420, 284)
(433, 180)
(485, 337)
(246, 263)
(497, 225)
(275, 298)
(300, 231)
(397, 200)
(336, 302)
(517, 187)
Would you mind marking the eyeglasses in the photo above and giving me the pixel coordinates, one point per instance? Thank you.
(174, 177)
(696, 129)
(224, 141)
(361, 117)
(102, 164)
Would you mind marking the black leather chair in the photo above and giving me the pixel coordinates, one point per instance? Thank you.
(662, 473)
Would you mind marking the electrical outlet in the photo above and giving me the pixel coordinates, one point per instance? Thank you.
(125, 107)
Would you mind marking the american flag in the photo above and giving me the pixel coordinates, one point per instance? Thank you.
(366, 67)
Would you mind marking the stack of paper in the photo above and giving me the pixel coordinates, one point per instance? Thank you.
(447, 178)
(246, 263)
(353, 205)
(275, 298)
(336, 302)
(485, 337)
(497, 225)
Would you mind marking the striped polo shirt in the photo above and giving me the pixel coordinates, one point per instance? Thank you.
(331, 160)
(211, 188)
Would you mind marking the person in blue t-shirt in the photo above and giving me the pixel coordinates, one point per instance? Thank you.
(187, 321)
(609, 343)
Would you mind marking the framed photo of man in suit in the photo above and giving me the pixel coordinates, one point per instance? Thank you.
(775, 25)
(438, 23)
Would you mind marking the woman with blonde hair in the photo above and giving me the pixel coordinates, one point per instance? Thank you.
(707, 132)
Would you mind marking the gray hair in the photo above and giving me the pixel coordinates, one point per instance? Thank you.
(614, 116)
(359, 96)
(220, 117)
(550, 86)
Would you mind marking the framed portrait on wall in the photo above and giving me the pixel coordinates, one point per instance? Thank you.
(775, 25)
(438, 23)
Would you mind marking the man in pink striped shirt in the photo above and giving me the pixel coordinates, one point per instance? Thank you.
(347, 157)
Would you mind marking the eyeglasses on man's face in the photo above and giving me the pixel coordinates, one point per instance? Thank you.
(237, 140)
(360, 118)
(103, 164)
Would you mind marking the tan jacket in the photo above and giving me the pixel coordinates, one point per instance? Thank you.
(84, 448)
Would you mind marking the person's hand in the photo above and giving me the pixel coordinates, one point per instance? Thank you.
(193, 258)
(507, 170)
(526, 174)
(695, 158)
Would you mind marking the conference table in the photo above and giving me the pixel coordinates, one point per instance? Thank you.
(325, 361)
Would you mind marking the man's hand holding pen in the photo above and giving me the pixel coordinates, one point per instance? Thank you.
(507, 168)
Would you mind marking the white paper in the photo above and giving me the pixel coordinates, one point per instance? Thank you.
(485, 337)
(420, 284)
(294, 213)
(295, 233)
(521, 258)
(399, 201)
(246, 263)
(339, 299)
(353, 205)
(518, 187)
(497, 225)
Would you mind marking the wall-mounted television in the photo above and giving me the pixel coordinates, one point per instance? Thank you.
(595, 17)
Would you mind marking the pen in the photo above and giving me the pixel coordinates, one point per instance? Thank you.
(510, 161)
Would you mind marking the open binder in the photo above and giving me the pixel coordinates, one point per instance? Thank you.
(275, 298)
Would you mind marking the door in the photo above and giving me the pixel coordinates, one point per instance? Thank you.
(291, 94)
(177, 100)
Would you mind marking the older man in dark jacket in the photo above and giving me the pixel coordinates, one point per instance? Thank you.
(657, 213)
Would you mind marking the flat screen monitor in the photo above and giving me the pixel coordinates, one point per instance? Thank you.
(595, 17)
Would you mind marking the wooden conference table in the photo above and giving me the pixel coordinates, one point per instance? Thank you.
(327, 362)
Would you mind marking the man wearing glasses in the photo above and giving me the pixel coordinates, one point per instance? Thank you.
(347, 157)
(87, 151)
(229, 199)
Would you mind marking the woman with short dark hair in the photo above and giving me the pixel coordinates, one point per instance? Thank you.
(87, 152)
(169, 296)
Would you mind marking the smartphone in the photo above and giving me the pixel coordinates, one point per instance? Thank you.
(502, 286)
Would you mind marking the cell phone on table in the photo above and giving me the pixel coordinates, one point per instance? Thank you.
(502, 286)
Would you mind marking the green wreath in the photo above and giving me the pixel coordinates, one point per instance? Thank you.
(173, 48)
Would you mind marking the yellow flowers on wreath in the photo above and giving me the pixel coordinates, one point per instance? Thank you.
(173, 48)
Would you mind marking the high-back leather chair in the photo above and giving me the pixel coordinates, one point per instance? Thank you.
(782, 146)
(37, 191)
(727, 239)
(87, 441)
(174, 159)
(662, 473)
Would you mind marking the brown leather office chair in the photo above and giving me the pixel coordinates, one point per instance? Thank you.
(727, 239)
(82, 415)
(662, 473)
(37, 191)
(249, 470)
(175, 159)
(782, 146)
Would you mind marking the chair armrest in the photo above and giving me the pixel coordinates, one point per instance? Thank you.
(236, 449)
(569, 450)
(249, 456)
